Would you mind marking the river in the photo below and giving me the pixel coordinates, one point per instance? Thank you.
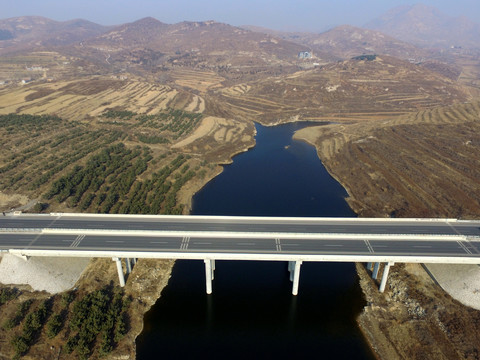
(252, 312)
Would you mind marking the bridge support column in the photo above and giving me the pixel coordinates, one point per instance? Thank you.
(213, 269)
(385, 276)
(369, 266)
(294, 269)
(291, 269)
(209, 268)
(121, 278)
(128, 262)
(375, 271)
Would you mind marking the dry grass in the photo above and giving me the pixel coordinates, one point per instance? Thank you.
(76, 100)
(425, 164)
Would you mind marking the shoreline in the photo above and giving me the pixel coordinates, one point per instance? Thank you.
(415, 318)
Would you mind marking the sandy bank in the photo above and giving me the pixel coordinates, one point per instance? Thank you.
(50, 274)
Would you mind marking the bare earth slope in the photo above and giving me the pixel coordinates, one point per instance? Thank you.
(425, 164)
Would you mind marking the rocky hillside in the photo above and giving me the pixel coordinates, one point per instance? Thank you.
(344, 42)
(194, 41)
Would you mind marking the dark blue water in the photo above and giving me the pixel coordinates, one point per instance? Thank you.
(252, 313)
(279, 177)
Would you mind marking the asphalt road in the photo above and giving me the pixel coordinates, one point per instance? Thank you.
(197, 234)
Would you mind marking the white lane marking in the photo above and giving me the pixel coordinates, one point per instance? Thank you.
(250, 243)
(185, 241)
(333, 245)
(462, 245)
(158, 242)
(114, 241)
(422, 246)
(203, 243)
(451, 226)
(291, 244)
(369, 246)
(278, 245)
(77, 241)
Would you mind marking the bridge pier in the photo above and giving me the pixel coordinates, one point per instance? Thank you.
(128, 262)
(383, 283)
(294, 269)
(209, 274)
(121, 278)
(375, 271)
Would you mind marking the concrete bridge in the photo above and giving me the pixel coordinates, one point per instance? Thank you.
(211, 238)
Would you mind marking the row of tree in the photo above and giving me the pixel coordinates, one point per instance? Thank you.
(97, 320)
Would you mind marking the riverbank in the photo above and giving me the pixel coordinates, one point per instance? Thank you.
(394, 168)
(415, 318)
(144, 285)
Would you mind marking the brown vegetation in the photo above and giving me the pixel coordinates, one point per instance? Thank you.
(421, 165)
(349, 90)
(415, 319)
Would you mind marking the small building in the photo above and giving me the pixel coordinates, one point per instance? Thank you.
(305, 55)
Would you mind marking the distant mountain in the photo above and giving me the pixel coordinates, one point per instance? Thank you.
(205, 45)
(426, 26)
(201, 38)
(29, 31)
(348, 41)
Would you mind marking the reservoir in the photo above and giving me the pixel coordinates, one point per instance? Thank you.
(252, 312)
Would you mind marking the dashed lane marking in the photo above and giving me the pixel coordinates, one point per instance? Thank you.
(77, 241)
(185, 241)
(369, 246)
(278, 245)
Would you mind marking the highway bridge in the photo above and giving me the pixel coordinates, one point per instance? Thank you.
(210, 238)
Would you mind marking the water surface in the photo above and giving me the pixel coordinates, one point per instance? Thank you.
(252, 313)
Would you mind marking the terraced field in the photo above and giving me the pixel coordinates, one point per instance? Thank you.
(351, 90)
(79, 99)
(195, 79)
(425, 164)
(42, 65)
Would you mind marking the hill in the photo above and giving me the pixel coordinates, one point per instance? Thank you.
(207, 45)
(34, 31)
(358, 89)
(344, 42)
(428, 27)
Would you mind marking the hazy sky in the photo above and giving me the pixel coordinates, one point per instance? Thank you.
(310, 15)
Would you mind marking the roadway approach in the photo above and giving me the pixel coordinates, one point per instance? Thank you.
(211, 238)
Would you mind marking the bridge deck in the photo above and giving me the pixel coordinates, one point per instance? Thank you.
(412, 240)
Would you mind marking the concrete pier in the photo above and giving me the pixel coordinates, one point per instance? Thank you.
(128, 262)
(375, 271)
(296, 277)
(209, 270)
(383, 283)
(121, 277)
(294, 269)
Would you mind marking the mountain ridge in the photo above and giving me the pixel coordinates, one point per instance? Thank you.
(427, 26)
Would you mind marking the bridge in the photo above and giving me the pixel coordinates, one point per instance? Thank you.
(210, 238)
